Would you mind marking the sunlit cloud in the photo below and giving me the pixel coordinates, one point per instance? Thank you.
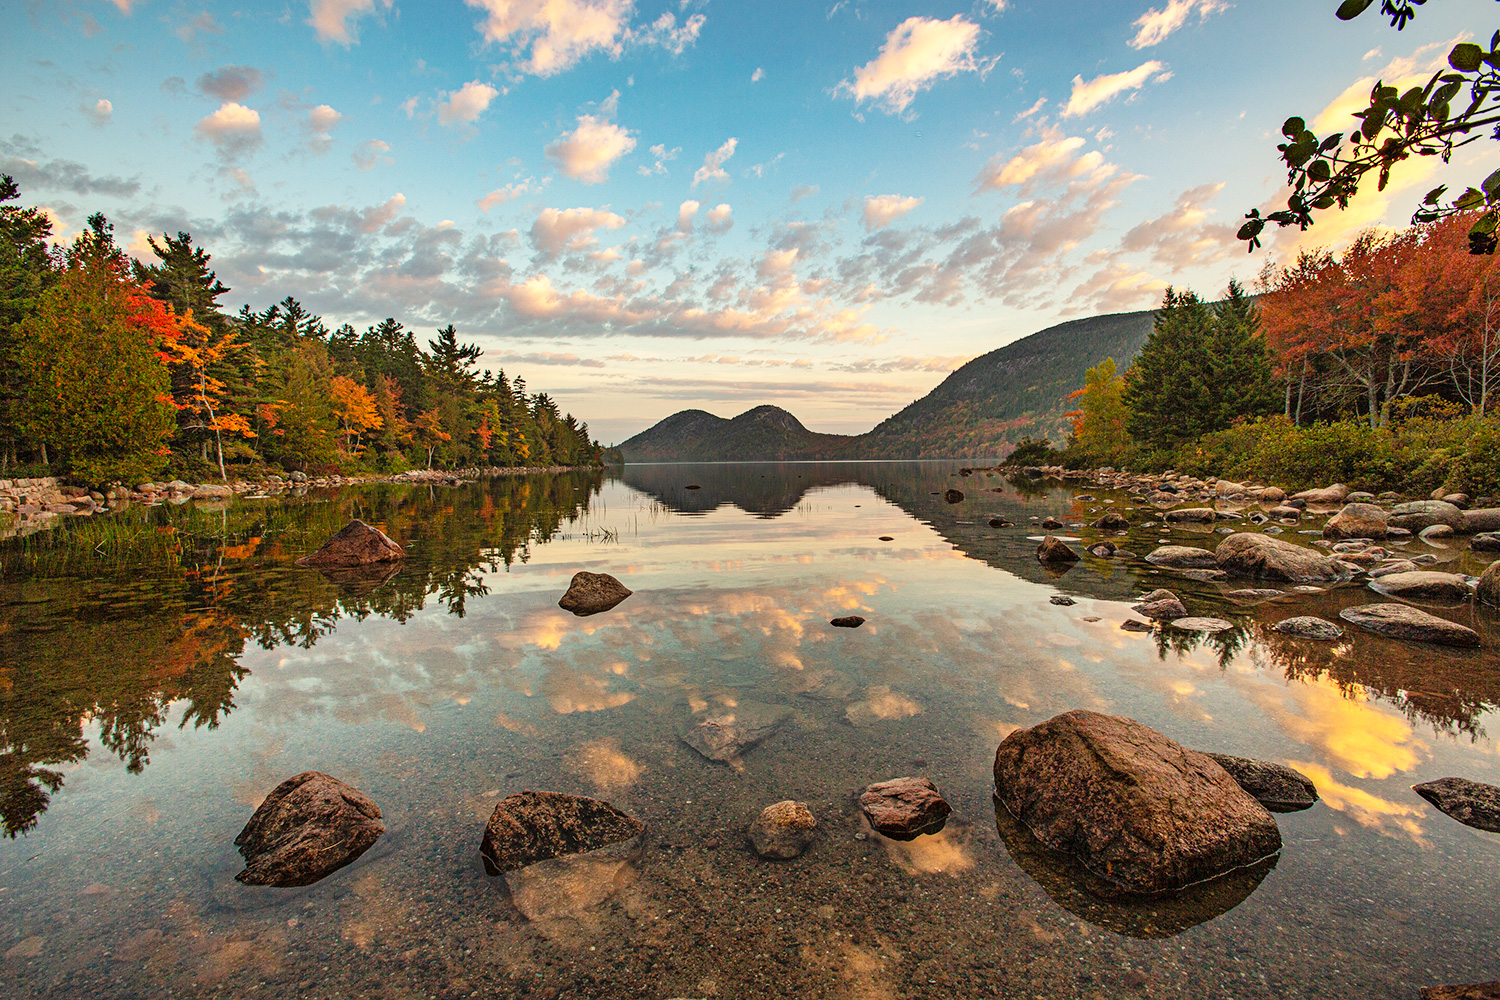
(233, 128)
(713, 163)
(917, 53)
(100, 112)
(550, 36)
(1154, 26)
(570, 229)
(587, 153)
(1090, 94)
(464, 105)
(331, 19)
(882, 210)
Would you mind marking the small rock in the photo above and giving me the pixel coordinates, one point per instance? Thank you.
(1309, 627)
(953, 496)
(355, 544)
(887, 538)
(1277, 787)
(1392, 567)
(1182, 557)
(1051, 523)
(1337, 493)
(1356, 520)
(1112, 522)
(848, 621)
(1192, 515)
(591, 593)
(905, 808)
(783, 830)
(1254, 595)
(1469, 802)
(533, 826)
(1163, 610)
(1424, 514)
(310, 826)
(1131, 625)
(1102, 550)
(726, 734)
(1062, 600)
(1470, 991)
(1054, 550)
(1202, 624)
(999, 522)
(1399, 621)
(1487, 542)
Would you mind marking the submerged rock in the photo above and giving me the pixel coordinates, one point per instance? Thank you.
(726, 734)
(1182, 557)
(999, 522)
(1055, 550)
(591, 593)
(1112, 522)
(1134, 807)
(355, 544)
(905, 808)
(1254, 595)
(1277, 787)
(953, 496)
(1194, 515)
(533, 826)
(1399, 621)
(1309, 627)
(847, 621)
(1267, 558)
(1131, 625)
(783, 830)
(310, 826)
(1469, 802)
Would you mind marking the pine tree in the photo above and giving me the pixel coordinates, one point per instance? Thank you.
(1167, 384)
(26, 271)
(1244, 385)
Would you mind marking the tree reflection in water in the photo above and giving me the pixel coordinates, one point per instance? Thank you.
(117, 621)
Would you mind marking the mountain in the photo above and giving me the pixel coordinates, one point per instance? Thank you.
(766, 432)
(980, 410)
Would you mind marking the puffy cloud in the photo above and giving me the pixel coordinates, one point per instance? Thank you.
(587, 153)
(685, 213)
(499, 196)
(1154, 26)
(1184, 236)
(919, 51)
(571, 229)
(464, 105)
(99, 112)
(882, 210)
(330, 18)
(17, 158)
(713, 163)
(720, 219)
(366, 220)
(661, 155)
(233, 128)
(370, 153)
(558, 32)
(1049, 161)
(1089, 94)
(758, 75)
(319, 121)
(232, 83)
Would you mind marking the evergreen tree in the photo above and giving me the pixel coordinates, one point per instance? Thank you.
(1244, 384)
(26, 271)
(1166, 386)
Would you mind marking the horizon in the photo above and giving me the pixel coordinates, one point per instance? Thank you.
(652, 207)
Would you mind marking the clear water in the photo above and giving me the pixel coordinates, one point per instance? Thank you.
(162, 669)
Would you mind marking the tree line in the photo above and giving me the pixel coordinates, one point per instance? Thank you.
(1383, 359)
(114, 370)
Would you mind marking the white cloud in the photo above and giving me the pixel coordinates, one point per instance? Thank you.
(330, 18)
(500, 196)
(99, 112)
(1185, 236)
(665, 32)
(720, 219)
(758, 75)
(558, 32)
(233, 128)
(371, 153)
(570, 229)
(587, 153)
(319, 121)
(1155, 25)
(1041, 102)
(919, 51)
(1089, 94)
(882, 210)
(661, 155)
(1050, 161)
(685, 213)
(713, 163)
(466, 104)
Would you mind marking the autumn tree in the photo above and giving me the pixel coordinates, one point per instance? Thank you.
(356, 410)
(429, 432)
(92, 383)
(1100, 423)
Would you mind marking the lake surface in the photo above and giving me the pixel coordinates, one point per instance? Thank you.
(162, 669)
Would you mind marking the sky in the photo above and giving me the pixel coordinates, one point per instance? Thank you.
(642, 206)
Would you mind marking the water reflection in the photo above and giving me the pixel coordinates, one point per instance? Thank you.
(111, 621)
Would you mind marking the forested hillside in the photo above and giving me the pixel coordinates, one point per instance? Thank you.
(115, 370)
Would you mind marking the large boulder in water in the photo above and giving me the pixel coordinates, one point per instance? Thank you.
(1356, 520)
(1328, 495)
(356, 544)
(1055, 550)
(1401, 621)
(310, 825)
(1483, 520)
(1416, 516)
(591, 593)
(1134, 807)
(1489, 586)
(1266, 558)
(1470, 802)
(533, 826)
(1182, 557)
(1423, 585)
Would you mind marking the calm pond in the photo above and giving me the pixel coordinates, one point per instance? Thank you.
(162, 669)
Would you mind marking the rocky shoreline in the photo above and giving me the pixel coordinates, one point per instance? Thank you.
(36, 503)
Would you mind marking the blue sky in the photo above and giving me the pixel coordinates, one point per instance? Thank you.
(642, 206)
